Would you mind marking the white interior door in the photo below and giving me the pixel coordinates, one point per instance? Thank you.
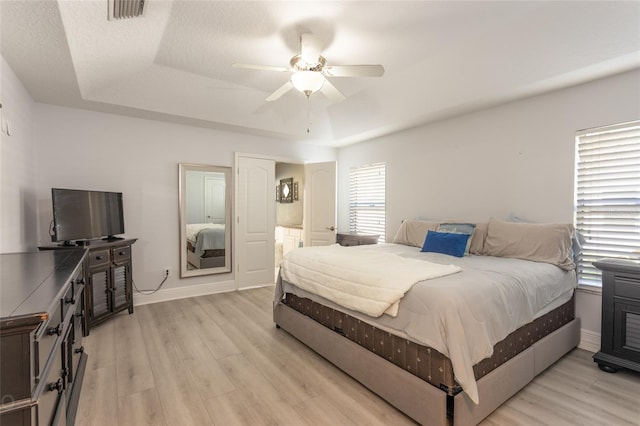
(319, 204)
(214, 197)
(255, 223)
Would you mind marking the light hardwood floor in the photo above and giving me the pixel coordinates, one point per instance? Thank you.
(219, 360)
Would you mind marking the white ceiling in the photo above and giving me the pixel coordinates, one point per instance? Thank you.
(441, 58)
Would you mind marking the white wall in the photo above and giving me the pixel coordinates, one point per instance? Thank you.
(90, 150)
(516, 158)
(18, 166)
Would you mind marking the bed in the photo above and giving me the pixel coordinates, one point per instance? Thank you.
(459, 343)
(205, 245)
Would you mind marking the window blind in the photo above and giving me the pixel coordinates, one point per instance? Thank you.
(367, 199)
(607, 196)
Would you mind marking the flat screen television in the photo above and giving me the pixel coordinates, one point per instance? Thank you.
(80, 215)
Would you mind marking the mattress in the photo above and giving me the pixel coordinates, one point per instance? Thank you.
(464, 315)
(206, 236)
(420, 360)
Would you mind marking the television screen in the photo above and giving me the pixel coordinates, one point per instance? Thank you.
(79, 214)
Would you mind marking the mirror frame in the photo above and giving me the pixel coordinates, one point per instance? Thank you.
(183, 168)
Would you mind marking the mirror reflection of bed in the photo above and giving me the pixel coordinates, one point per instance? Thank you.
(205, 245)
(204, 219)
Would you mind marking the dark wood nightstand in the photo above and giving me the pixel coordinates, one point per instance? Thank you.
(620, 334)
(355, 239)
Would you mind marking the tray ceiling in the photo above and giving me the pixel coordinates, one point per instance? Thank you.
(441, 59)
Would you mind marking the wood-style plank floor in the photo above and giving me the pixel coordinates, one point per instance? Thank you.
(219, 360)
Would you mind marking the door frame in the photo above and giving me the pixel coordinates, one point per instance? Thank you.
(234, 213)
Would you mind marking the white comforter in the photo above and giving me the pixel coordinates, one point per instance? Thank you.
(369, 282)
(465, 314)
(206, 236)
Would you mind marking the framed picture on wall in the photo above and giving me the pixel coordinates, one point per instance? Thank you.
(286, 190)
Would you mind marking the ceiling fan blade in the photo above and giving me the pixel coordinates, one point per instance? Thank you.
(281, 91)
(261, 67)
(354, 70)
(309, 49)
(330, 91)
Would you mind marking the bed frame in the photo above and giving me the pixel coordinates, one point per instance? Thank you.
(211, 258)
(420, 400)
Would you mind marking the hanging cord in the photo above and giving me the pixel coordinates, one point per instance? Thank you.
(308, 112)
(149, 292)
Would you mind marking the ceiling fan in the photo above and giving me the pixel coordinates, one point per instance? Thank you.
(309, 72)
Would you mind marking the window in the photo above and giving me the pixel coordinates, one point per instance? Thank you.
(367, 200)
(607, 196)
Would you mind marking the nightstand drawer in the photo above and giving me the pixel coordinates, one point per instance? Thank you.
(625, 287)
(353, 239)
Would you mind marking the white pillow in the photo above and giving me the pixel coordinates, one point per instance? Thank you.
(539, 242)
(413, 232)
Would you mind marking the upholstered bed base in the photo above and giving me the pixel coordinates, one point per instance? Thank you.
(423, 361)
(205, 261)
(415, 397)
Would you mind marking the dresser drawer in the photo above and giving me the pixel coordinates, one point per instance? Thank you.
(121, 253)
(100, 257)
(627, 287)
(19, 417)
(52, 399)
(45, 340)
(68, 300)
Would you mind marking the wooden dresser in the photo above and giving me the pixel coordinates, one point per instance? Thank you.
(108, 277)
(41, 316)
(620, 334)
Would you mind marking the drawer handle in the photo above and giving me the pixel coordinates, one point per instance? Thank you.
(121, 253)
(57, 386)
(99, 258)
(70, 300)
(79, 350)
(54, 330)
(80, 281)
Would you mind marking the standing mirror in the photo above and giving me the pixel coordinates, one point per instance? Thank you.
(205, 220)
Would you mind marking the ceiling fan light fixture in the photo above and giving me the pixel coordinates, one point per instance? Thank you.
(307, 82)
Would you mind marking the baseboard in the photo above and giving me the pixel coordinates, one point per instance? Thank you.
(256, 286)
(589, 340)
(183, 292)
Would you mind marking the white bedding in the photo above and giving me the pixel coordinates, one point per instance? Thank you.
(465, 314)
(371, 282)
(206, 236)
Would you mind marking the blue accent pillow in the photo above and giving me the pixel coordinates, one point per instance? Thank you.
(459, 228)
(446, 243)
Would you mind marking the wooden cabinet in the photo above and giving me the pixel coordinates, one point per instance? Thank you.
(108, 277)
(620, 334)
(355, 239)
(41, 316)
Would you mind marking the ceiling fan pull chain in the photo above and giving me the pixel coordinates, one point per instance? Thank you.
(308, 113)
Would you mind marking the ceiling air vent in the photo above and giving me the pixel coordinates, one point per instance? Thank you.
(125, 9)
